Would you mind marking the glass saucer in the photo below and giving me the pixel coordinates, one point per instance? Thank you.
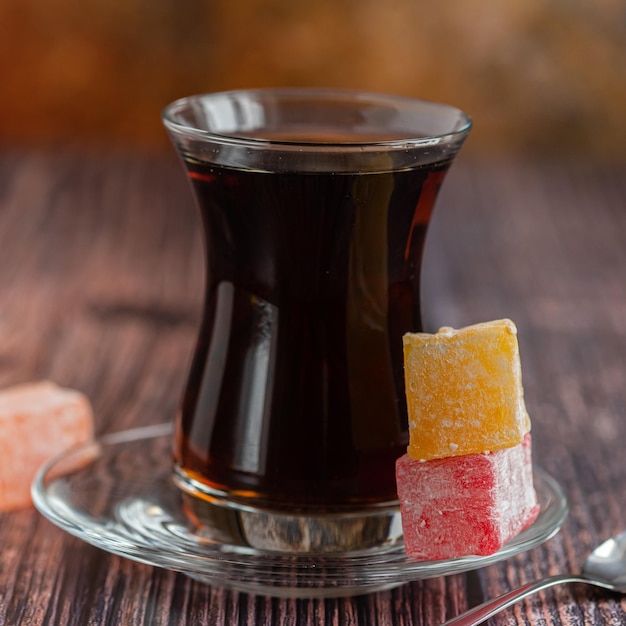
(117, 494)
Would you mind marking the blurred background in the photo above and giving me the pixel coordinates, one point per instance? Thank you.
(538, 76)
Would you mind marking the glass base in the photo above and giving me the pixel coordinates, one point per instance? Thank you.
(218, 518)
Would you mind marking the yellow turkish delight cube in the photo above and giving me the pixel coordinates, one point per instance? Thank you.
(464, 390)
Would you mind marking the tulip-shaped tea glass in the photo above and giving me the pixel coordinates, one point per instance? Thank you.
(314, 206)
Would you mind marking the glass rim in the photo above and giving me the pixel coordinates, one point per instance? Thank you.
(320, 94)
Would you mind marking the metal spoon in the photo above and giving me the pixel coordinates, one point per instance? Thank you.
(605, 567)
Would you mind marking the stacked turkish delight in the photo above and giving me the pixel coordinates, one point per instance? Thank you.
(466, 483)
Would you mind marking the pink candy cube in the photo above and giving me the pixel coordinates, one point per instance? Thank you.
(466, 505)
(37, 421)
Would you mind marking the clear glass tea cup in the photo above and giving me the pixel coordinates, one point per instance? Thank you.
(315, 206)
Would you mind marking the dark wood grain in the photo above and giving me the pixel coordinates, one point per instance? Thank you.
(101, 288)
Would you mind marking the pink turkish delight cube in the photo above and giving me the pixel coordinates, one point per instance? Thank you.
(37, 421)
(466, 505)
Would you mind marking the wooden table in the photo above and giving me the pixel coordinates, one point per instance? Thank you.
(101, 288)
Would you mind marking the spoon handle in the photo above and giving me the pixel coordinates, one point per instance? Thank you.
(484, 611)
